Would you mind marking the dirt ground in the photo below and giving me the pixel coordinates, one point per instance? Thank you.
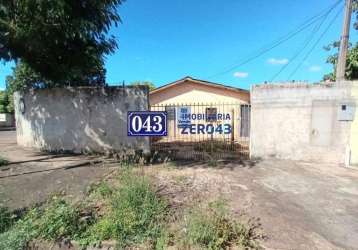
(300, 205)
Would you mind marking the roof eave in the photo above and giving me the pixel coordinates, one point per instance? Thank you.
(211, 84)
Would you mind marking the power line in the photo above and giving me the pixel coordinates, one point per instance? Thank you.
(279, 41)
(315, 44)
(306, 43)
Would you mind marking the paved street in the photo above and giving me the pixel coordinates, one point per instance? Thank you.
(34, 175)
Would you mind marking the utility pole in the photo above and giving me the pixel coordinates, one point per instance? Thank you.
(343, 48)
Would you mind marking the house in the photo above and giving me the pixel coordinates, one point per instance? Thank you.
(190, 90)
(200, 110)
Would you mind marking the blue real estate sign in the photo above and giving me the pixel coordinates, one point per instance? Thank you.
(183, 116)
(147, 123)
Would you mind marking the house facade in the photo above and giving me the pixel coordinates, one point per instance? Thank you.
(200, 110)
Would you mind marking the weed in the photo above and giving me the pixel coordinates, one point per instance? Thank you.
(58, 220)
(6, 219)
(103, 229)
(213, 228)
(165, 239)
(135, 214)
(3, 162)
(100, 190)
(55, 221)
(17, 237)
(138, 211)
(213, 162)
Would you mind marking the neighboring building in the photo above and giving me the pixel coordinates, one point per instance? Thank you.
(206, 105)
(7, 120)
(308, 122)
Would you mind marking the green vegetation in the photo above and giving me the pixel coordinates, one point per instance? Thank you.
(63, 42)
(213, 227)
(59, 219)
(135, 214)
(138, 212)
(55, 221)
(352, 56)
(351, 64)
(6, 219)
(5, 102)
(130, 212)
(3, 162)
(19, 234)
(150, 85)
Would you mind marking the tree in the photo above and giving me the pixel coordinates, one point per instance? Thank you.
(5, 106)
(63, 41)
(351, 64)
(150, 85)
(23, 77)
(352, 55)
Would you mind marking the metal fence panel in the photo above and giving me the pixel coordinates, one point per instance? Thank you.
(202, 131)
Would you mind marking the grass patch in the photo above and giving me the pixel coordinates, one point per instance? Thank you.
(139, 213)
(61, 220)
(20, 234)
(213, 227)
(55, 221)
(135, 214)
(6, 219)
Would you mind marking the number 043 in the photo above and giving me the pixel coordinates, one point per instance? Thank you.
(149, 125)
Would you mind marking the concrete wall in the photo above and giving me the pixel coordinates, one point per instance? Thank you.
(79, 119)
(7, 120)
(301, 121)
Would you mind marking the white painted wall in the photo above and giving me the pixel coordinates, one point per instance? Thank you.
(79, 119)
(300, 121)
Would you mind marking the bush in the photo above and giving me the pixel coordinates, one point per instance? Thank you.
(213, 228)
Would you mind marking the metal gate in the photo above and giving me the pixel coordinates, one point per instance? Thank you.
(198, 131)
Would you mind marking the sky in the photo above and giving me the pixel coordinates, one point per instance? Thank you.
(162, 41)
